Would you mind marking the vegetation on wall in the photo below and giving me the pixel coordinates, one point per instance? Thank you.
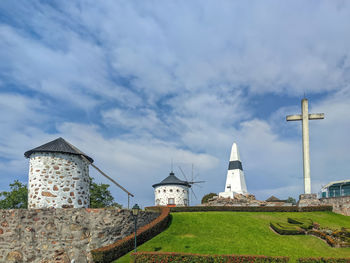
(207, 197)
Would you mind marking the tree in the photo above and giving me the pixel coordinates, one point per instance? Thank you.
(207, 197)
(16, 198)
(100, 196)
(291, 200)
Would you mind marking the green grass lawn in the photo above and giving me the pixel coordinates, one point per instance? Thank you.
(243, 233)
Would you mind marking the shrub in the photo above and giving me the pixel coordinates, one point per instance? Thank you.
(324, 236)
(123, 246)
(155, 257)
(207, 197)
(251, 208)
(304, 223)
(286, 229)
(324, 260)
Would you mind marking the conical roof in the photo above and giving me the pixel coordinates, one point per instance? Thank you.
(59, 145)
(273, 199)
(172, 180)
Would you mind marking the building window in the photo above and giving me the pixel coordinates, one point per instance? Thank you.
(171, 201)
(171, 190)
(183, 191)
(164, 190)
(185, 202)
(158, 191)
(157, 202)
(177, 190)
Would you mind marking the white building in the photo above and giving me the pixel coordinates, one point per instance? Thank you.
(235, 181)
(58, 176)
(171, 192)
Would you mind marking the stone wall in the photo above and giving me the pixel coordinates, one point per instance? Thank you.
(341, 204)
(58, 180)
(178, 192)
(62, 235)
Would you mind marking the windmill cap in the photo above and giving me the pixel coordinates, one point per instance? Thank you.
(172, 180)
(59, 146)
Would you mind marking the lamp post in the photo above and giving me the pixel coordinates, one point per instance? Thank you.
(135, 212)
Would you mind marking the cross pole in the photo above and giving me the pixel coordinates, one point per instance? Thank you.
(304, 118)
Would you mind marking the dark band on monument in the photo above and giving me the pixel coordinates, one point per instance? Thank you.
(235, 165)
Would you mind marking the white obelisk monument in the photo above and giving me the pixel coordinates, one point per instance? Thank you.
(305, 117)
(235, 181)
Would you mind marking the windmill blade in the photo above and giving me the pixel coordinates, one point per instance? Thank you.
(194, 194)
(183, 173)
(196, 182)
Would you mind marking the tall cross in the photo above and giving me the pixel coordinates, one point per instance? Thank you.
(304, 118)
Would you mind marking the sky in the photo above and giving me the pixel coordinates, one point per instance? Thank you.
(138, 85)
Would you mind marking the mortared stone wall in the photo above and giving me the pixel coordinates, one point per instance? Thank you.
(63, 235)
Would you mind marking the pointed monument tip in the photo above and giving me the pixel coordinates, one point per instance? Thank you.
(234, 153)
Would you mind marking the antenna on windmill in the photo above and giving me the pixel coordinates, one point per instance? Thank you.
(192, 182)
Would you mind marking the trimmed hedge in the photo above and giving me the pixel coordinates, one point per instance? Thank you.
(286, 229)
(324, 236)
(324, 260)
(155, 257)
(125, 245)
(251, 208)
(304, 223)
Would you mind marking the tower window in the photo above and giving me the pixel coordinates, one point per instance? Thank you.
(171, 190)
(171, 201)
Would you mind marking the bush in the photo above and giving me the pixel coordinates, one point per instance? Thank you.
(155, 257)
(304, 223)
(286, 229)
(251, 208)
(207, 197)
(324, 260)
(324, 236)
(123, 246)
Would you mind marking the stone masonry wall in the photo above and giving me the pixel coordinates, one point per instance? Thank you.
(178, 192)
(341, 204)
(61, 235)
(58, 180)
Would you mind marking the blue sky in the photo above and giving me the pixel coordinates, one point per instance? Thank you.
(136, 84)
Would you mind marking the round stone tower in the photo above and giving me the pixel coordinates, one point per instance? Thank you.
(171, 192)
(58, 176)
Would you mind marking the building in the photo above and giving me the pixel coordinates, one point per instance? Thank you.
(58, 176)
(336, 189)
(235, 181)
(171, 192)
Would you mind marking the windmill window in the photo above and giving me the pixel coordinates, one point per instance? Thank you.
(158, 191)
(171, 201)
(177, 190)
(183, 191)
(171, 190)
(164, 190)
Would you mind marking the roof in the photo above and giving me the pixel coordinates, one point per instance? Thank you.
(336, 183)
(273, 199)
(172, 180)
(59, 145)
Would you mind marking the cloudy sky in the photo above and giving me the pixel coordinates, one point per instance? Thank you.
(136, 84)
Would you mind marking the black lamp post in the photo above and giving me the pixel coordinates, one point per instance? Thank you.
(135, 212)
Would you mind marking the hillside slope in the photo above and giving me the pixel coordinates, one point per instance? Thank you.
(243, 233)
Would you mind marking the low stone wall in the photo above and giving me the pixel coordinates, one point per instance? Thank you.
(341, 205)
(62, 235)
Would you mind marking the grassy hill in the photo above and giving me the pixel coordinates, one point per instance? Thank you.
(245, 233)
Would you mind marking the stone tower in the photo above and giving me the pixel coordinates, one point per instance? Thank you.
(171, 192)
(58, 176)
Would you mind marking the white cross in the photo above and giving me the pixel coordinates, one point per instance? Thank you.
(305, 117)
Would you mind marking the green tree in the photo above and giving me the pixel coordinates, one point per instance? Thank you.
(207, 197)
(100, 196)
(16, 198)
(291, 200)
